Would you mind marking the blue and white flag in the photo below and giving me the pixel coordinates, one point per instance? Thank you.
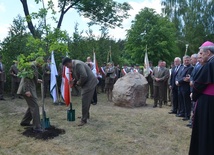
(53, 81)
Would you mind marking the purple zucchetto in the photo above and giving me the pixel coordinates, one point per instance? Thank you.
(207, 44)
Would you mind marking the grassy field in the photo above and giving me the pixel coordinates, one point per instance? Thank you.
(111, 130)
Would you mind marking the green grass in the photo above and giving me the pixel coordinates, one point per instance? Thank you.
(111, 130)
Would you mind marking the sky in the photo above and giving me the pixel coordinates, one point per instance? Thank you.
(9, 9)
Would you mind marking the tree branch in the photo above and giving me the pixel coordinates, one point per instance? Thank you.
(27, 16)
(63, 12)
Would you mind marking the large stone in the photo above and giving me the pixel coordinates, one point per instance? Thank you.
(130, 91)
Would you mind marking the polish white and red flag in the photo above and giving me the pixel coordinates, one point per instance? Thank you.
(65, 86)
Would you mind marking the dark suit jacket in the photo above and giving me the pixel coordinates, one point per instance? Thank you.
(83, 75)
(173, 76)
(183, 72)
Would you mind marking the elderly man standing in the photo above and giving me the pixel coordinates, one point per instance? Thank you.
(173, 86)
(182, 81)
(202, 139)
(160, 74)
(83, 77)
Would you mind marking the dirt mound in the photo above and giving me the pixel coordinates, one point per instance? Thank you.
(49, 133)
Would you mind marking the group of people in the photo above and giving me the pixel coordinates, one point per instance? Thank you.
(190, 83)
(192, 88)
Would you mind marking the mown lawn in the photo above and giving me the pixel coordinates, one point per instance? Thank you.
(111, 130)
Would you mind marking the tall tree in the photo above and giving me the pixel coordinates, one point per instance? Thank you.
(151, 32)
(101, 12)
(194, 20)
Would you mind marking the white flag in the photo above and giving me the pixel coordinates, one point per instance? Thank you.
(54, 73)
(146, 65)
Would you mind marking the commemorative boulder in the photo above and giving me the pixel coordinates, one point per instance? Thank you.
(130, 91)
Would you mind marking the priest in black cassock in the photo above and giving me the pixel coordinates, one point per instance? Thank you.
(202, 139)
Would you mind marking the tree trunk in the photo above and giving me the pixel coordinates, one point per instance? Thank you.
(28, 18)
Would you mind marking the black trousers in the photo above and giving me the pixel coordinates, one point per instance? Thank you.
(95, 96)
(1, 89)
(175, 99)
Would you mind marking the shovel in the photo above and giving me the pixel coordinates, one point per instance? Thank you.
(45, 122)
(71, 113)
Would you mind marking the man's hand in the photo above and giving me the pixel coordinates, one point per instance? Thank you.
(28, 94)
(157, 79)
(78, 83)
(191, 83)
(187, 78)
(177, 83)
(72, 82)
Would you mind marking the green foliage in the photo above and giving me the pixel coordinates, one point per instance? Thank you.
(153, 33)
(107, 13)
(193, 20)
(58, 41)
(25, 64)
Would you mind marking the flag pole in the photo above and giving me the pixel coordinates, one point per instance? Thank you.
(58, 95)
(70, 111)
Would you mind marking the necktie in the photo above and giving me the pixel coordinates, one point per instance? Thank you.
(176, 69)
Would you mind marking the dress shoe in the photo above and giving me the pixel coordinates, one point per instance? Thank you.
(2, 99)
(94, 103)
(154, 106)
(20, 97)
(26, 124)
(179, 115)
(38, 130)
(185, 119)
(160, 106)
(172, 112)
(189, 125)
(82, 123)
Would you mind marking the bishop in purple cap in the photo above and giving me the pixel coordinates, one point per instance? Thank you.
(202, 139)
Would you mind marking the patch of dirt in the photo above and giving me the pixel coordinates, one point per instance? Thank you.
(49, 133)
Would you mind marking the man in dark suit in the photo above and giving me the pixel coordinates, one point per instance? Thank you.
(173, 86)
(182, 81)
(83, 77)
(160, 74)
(2, 79)
(15, 80)
(27, 89)
(197, 63)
